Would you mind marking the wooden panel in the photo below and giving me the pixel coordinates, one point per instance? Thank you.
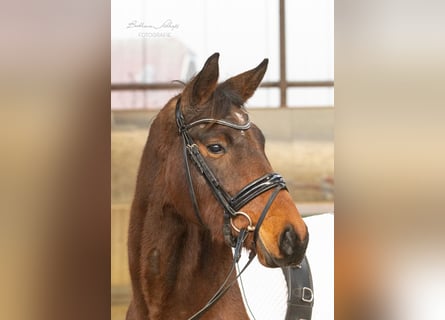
(119, 258)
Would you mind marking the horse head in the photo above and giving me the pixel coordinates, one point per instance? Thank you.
(216, 123)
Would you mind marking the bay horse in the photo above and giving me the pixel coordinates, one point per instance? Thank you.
(205, 185)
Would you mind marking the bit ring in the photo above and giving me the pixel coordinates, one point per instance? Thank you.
(250, 227)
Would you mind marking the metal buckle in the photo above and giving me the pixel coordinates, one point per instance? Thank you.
(191, 147)
(303, 296)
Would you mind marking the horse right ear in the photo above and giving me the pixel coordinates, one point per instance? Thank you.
(201, 87)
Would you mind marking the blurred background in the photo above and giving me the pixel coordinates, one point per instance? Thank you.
(155, 43)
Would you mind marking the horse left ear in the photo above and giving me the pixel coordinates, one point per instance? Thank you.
(247, 82)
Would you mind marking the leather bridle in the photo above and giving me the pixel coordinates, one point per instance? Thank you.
(231, 204)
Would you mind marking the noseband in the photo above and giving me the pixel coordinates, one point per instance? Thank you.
(231, 204)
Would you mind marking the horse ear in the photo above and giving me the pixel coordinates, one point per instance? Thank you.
(247, 82)
(201, 87)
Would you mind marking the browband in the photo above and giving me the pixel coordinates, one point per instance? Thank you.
(221, 122)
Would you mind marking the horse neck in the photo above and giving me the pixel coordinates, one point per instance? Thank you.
(176, 265)
(190, 267)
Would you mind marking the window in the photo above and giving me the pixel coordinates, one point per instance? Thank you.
(156, 42)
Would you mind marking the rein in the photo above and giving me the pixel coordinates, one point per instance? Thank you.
(225, 287)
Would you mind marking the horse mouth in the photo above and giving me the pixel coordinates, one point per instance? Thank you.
(270, 260)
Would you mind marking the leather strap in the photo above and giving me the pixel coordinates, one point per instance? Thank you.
(265, 210)
(226, 286)
(255, 188)
(300, 291)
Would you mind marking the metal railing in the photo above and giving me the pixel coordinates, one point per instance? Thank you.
(173, 85)
(282, 85)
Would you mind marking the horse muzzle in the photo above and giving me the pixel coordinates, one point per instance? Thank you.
(288, 251)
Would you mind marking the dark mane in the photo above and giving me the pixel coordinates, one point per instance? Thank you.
(220, 104)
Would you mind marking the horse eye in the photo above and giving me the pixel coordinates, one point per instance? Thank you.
(215, 148)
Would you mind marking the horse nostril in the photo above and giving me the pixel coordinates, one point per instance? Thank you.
(288, 242)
